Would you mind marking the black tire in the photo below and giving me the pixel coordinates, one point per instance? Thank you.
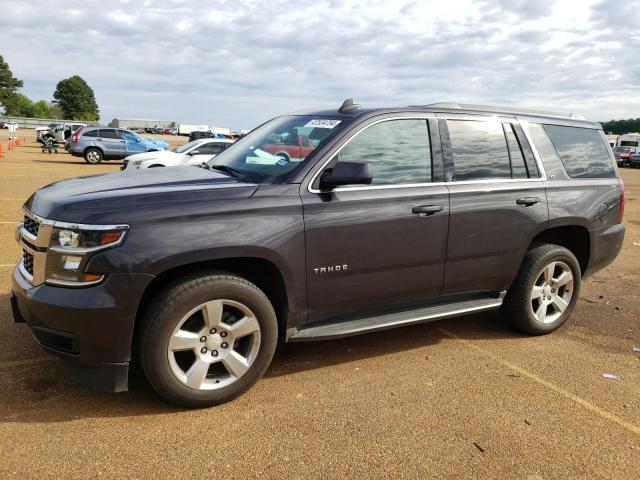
(167, 309)
(93, 156)
(284, 155)
(518, 307)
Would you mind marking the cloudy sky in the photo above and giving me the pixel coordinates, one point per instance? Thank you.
(237, 63)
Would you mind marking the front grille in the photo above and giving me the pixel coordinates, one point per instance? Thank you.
(32, 226)
(27, 262)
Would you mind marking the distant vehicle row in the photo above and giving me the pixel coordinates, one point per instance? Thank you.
(192, 153)
(96, 144)
(623, 155)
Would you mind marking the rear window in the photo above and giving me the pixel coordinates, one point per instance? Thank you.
(90, 133)
(108, 133)
(582, 151)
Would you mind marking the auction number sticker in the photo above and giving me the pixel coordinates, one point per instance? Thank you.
(319, 123)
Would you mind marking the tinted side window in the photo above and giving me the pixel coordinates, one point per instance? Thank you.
(91, 133)
(518, 168)
(582, 151)
(479, 150)
(208, 149)
(397, 150)
(108, 133)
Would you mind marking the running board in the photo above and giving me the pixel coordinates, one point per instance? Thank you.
(382, 322)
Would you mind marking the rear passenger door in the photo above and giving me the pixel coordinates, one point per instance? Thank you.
(111, 143)
(497, 201)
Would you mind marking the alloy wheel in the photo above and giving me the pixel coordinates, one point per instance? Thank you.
(214, 344)
(552, 292)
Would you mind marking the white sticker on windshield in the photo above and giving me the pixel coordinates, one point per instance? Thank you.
(320, 123)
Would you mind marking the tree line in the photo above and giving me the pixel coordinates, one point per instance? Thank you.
(73, 99)
(619, 127)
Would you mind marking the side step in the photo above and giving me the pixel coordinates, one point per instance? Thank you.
(382, 322)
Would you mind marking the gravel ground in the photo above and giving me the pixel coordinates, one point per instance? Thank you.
(466, 397)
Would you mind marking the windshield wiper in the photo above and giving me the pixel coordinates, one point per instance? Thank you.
(234, 172)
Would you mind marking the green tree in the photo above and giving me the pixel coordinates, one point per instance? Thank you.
(619, 127)
(40, 109)
(76, 99)
(18, 105)
(9, 85)
(55, 111)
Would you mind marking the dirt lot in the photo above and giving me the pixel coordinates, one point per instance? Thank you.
(466, 397)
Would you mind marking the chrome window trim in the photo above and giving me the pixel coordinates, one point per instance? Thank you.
(536, 156)
(424, 117)
(525, 128)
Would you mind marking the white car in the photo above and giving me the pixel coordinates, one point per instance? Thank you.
(192, 153)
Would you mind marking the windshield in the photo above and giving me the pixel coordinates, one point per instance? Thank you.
(186, 147)
(271, 152)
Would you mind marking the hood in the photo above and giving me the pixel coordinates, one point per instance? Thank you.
(116, 197)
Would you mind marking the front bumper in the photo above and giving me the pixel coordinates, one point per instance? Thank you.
(91, 329)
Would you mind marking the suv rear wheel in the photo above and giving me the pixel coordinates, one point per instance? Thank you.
(92, 155)
(545, 290)
(207, 339)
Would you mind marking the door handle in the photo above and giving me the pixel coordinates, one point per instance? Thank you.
(528, 201)
(426, 210)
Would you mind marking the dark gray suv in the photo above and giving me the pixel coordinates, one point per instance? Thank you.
(386, 217)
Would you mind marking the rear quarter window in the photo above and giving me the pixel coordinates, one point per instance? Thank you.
(91, 133)
(582, 151)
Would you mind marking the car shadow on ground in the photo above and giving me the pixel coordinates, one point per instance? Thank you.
(80, 161)
(44, 392)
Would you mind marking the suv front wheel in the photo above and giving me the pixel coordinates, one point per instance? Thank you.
(545, 290)
(207, 339)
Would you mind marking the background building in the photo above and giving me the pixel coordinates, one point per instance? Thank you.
(132, 123)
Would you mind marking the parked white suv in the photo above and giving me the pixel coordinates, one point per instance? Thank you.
(192, 153)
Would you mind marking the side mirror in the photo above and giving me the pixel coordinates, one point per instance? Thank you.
(193, 152)
(346, 173)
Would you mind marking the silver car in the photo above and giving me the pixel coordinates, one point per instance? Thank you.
(103, 143)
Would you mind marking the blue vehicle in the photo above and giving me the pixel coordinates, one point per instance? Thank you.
(99, 143)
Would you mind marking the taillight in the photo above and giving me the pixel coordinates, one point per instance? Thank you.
(76, 135)
(621, 201)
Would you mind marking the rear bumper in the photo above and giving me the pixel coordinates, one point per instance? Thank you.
(605, 247)
(91, 329)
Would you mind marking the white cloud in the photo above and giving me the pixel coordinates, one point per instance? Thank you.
(238, 63)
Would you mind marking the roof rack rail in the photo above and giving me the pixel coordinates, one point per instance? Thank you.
(494, 109)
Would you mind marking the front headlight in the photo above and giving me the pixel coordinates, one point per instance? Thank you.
(71, 247)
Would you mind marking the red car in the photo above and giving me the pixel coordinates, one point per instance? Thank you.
(623, 154)
(293, 147)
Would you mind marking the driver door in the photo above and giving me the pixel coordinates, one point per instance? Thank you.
(375, 247)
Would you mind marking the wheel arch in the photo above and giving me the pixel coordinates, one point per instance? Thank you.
(92, 147)
(575, 238)
(264, 273)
